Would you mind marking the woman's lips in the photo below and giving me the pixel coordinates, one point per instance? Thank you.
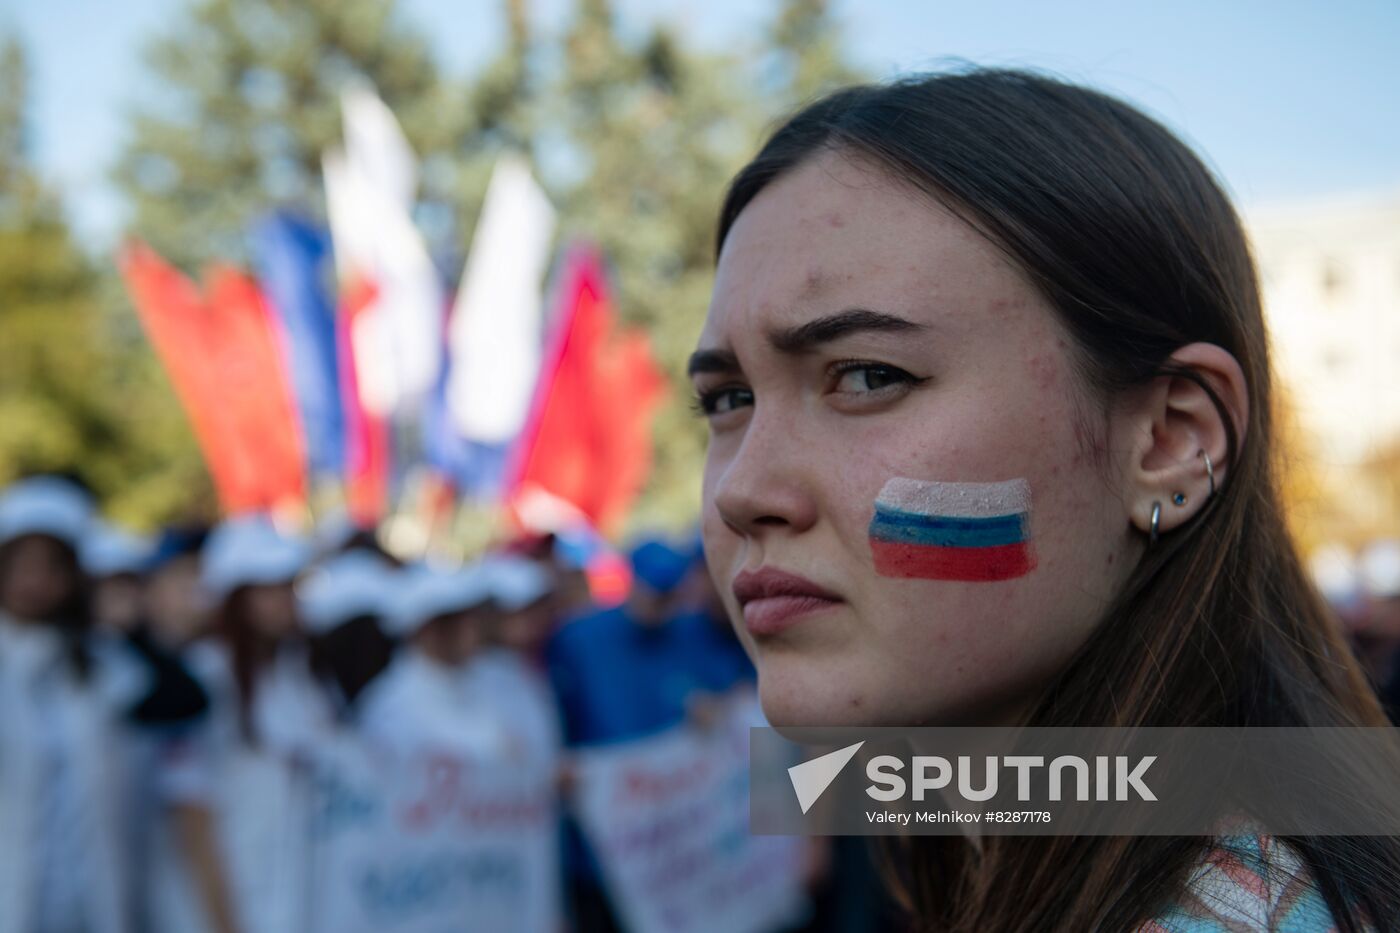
(773, 614)
(773, 600)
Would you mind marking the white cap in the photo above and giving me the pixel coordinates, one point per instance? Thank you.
(347, 586)
(45, 505)
(248, 550)
(516, 582)
(1380, 568)
(109, 550)
(423, 593)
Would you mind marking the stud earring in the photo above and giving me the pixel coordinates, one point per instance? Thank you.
(1178, 498)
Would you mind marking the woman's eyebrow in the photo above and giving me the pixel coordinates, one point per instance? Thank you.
(713, 361)
(806, 337)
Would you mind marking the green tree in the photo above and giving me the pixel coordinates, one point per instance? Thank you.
(252, 99)
(68, 402)
(47, 418)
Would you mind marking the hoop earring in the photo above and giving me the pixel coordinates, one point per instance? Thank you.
(1210, 472)
(1156, 521)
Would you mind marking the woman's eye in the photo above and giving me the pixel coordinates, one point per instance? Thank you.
(721, 400)
(859, 378)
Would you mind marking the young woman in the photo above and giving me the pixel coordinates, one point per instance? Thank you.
(343, 603)
(509, 674)
(994, 293)
(441, 618)
(66, 785)
(247, 766)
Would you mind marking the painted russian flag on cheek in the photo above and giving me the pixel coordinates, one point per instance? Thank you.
(952, 531)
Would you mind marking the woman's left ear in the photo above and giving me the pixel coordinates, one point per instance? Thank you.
(1175, 428)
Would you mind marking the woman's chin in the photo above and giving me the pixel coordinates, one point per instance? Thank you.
(800, 705)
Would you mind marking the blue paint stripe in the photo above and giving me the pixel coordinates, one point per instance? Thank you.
(911, 528)
(901, 517)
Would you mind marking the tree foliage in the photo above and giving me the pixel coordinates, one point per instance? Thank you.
(75, 394)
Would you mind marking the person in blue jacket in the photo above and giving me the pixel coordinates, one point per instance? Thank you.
(632, 670)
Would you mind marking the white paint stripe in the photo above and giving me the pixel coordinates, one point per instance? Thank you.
(960, 500)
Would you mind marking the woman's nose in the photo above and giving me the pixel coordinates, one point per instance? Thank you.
(768, 482)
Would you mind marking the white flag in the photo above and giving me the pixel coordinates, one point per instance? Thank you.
(397, 339)
(495, 329)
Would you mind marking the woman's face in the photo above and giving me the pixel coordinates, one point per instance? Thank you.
(961, 375)
(174, 602)
(38, 577)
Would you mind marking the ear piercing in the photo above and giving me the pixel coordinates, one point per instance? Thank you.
(1179, 498)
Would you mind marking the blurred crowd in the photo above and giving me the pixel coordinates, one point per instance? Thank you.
(152, 685)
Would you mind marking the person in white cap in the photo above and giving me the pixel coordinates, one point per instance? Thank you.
(509, 674)
(177, 609)
(114, 560)
(170, 832)
(66, 862)
(442, 618)
(265, 711)
(343, 604)
(259, 668)
(509, 679)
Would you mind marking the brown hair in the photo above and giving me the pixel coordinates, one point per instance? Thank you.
(1139, 252)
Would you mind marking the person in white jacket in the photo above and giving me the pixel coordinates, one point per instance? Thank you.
(471, 838)
(509, 678)
(266, 710)
(67, 862)
(508, 675)
(442, 618)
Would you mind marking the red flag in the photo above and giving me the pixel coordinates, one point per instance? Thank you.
(255, 386)
(223, 358)
(587, 440)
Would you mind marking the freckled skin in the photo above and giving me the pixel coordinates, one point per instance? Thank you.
(791, 480)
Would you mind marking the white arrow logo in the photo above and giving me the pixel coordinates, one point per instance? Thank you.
(811, 778)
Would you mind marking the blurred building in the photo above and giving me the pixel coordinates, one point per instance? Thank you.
(1330, 272)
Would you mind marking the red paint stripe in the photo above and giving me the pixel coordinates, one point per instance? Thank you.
(1004, 562)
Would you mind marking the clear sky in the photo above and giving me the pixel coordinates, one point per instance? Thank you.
(1288, 99)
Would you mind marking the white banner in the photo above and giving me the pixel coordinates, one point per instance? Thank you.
(668, 818)
(429, 842)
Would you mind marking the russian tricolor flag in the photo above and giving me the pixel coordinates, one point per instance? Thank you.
(952, 531)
